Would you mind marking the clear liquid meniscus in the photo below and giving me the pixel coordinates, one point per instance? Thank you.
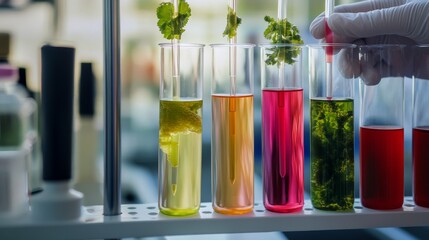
(180, 145)
(283, 150)
(232, 153)
(382, 167)
(332, 154)
(421, 166)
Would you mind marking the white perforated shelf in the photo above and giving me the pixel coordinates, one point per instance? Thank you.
(144, 220)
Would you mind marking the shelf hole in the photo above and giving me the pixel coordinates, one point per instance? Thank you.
(409, 200)
(135, 218)
(150, 208)
(203, 206)
(207, 212)
(260, 210)
(132, 213)
(256, 204)
(131, 208)
(358, 207)
(308, 209)
(408, 205)
(153, 213)
(90, 210)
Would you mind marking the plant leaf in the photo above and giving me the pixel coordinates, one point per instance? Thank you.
(282, 31)
(232, 22)
(169, 25)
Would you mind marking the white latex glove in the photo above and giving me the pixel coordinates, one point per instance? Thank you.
(378, 22)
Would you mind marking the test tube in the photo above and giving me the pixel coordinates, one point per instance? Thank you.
(180, 130)
(381, 126)
(232, 130)
(282, 130)
(331, 128)
(421, 126)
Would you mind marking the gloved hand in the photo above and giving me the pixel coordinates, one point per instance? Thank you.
(378, 22)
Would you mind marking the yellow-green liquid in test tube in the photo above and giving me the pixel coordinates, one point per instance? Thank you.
(180, 152)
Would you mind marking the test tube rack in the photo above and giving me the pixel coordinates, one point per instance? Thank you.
(145, 220)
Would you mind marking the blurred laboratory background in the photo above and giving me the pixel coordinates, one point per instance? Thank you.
(79, 23)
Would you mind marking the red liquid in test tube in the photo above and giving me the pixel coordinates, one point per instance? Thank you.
(329, 39)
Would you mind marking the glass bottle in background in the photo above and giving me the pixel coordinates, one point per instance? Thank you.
(232, 128)
(421, 126)
(32, 142)
(381, 127)
(332, 127)
(4, 47)
(15, 159)
(11, 123)
(17, 111)
(180, 130)
(87, 175)
(282, 130)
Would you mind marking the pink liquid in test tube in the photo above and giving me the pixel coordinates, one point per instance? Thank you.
(283, 151)
(329, 36)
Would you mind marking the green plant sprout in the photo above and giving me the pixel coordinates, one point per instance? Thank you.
(172, 25)
(232, 22)
(282, 32)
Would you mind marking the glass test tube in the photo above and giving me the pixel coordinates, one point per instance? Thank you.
(180, 129)
(381, 127)
(421, 126)
(332, 128)
(232, 128)
(282, 129)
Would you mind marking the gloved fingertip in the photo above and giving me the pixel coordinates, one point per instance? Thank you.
(348, 64)
(333, 19)
(349, 69)
(317, 28)
(372, 81)
(339, 21)
(370, 76)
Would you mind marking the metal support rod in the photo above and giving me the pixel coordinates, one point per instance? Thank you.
(112, 108)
